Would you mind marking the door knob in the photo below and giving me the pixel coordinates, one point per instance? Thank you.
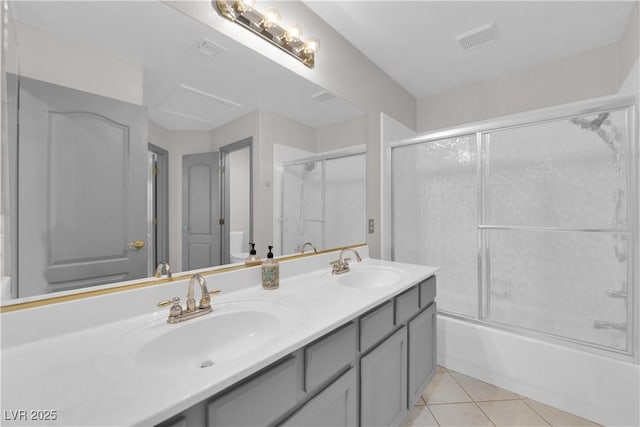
(137, 244)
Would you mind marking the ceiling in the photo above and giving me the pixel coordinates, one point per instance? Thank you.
(184, 88)
(414, 41)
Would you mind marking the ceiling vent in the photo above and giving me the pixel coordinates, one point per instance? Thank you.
(209, 48)
(477, 37)
(323, 96)
(195, 104)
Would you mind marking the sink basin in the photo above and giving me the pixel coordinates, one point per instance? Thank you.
(231, 332)
(369, 277)
(214, 339)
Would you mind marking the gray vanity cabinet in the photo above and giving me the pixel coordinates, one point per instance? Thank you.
(422, 352)
(383, 379)
(337, 405)
(370, 371)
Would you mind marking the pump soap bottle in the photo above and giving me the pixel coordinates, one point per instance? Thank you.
(252, 259)
(270, 272)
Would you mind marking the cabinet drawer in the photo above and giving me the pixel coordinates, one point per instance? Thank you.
(259, 401)
(375, 325)
(427, 291)
(407, 304)
(327, 356)
(335, 406)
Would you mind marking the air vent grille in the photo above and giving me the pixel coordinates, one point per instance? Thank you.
(324, 96)
(477, 37)
(209, 48)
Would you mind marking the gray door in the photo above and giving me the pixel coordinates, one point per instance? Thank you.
(81, 189)
(200, 210)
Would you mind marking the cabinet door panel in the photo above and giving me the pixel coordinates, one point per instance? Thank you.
(334, 406)
(383, 391)
(259, 401)
(329, 355)
(422, 352)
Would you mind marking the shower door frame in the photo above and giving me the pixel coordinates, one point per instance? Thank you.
(483, 129)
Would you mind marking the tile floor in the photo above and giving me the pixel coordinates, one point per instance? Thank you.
(453, 399)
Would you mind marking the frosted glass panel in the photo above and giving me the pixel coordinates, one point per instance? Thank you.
(345, 207)
(434, 216)
(302, 201)
(570, 172)
(567, 284)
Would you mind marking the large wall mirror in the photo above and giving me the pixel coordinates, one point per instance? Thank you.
(133, 134)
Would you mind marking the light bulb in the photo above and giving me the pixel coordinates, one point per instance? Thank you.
(271, 18)
(294, 32)
(245, 5)
(312, 45)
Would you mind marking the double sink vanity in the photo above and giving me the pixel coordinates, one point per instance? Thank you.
(355, 348)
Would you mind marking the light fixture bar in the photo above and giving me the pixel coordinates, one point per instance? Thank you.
(267, 26)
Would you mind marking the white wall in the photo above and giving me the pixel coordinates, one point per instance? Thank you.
(590, 74)
(177, 143)
(586, 75)
(45, 57)
(341, 135)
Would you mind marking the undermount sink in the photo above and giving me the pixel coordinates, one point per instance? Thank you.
(233, 330)
(369, 277)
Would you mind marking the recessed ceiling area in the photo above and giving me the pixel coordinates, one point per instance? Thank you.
(194, 78)
(415, 43)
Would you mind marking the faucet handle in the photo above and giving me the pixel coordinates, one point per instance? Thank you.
(176, 308)
(205, 301)
(174, 300)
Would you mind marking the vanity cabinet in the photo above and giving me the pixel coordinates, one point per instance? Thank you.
(383, 392)
(369, 371)
(422, 352)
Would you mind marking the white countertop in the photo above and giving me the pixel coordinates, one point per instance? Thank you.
(86, 377)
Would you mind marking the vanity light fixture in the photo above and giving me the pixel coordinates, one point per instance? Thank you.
(267, 25)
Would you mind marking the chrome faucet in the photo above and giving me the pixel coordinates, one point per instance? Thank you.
(305, 244)
(179, 314)
(163, 268)
(341, 265)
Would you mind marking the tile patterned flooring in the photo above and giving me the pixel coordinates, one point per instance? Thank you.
(456, 400)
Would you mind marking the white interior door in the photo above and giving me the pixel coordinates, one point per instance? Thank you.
(81, 189)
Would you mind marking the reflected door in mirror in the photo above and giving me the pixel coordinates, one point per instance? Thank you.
(200, 210)
(81, 191)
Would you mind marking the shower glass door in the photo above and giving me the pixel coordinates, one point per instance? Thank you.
(435, 215)
(557, 234)
(532, 221)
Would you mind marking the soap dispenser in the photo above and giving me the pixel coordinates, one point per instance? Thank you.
(252, 259)
(270, 272)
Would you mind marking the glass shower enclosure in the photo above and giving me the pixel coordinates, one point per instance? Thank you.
(533, 221)
(321, 200)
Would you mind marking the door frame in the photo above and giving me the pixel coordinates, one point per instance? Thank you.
(225, 195)
(159, 196)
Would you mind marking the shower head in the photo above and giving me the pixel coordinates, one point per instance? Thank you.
(309, 166)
